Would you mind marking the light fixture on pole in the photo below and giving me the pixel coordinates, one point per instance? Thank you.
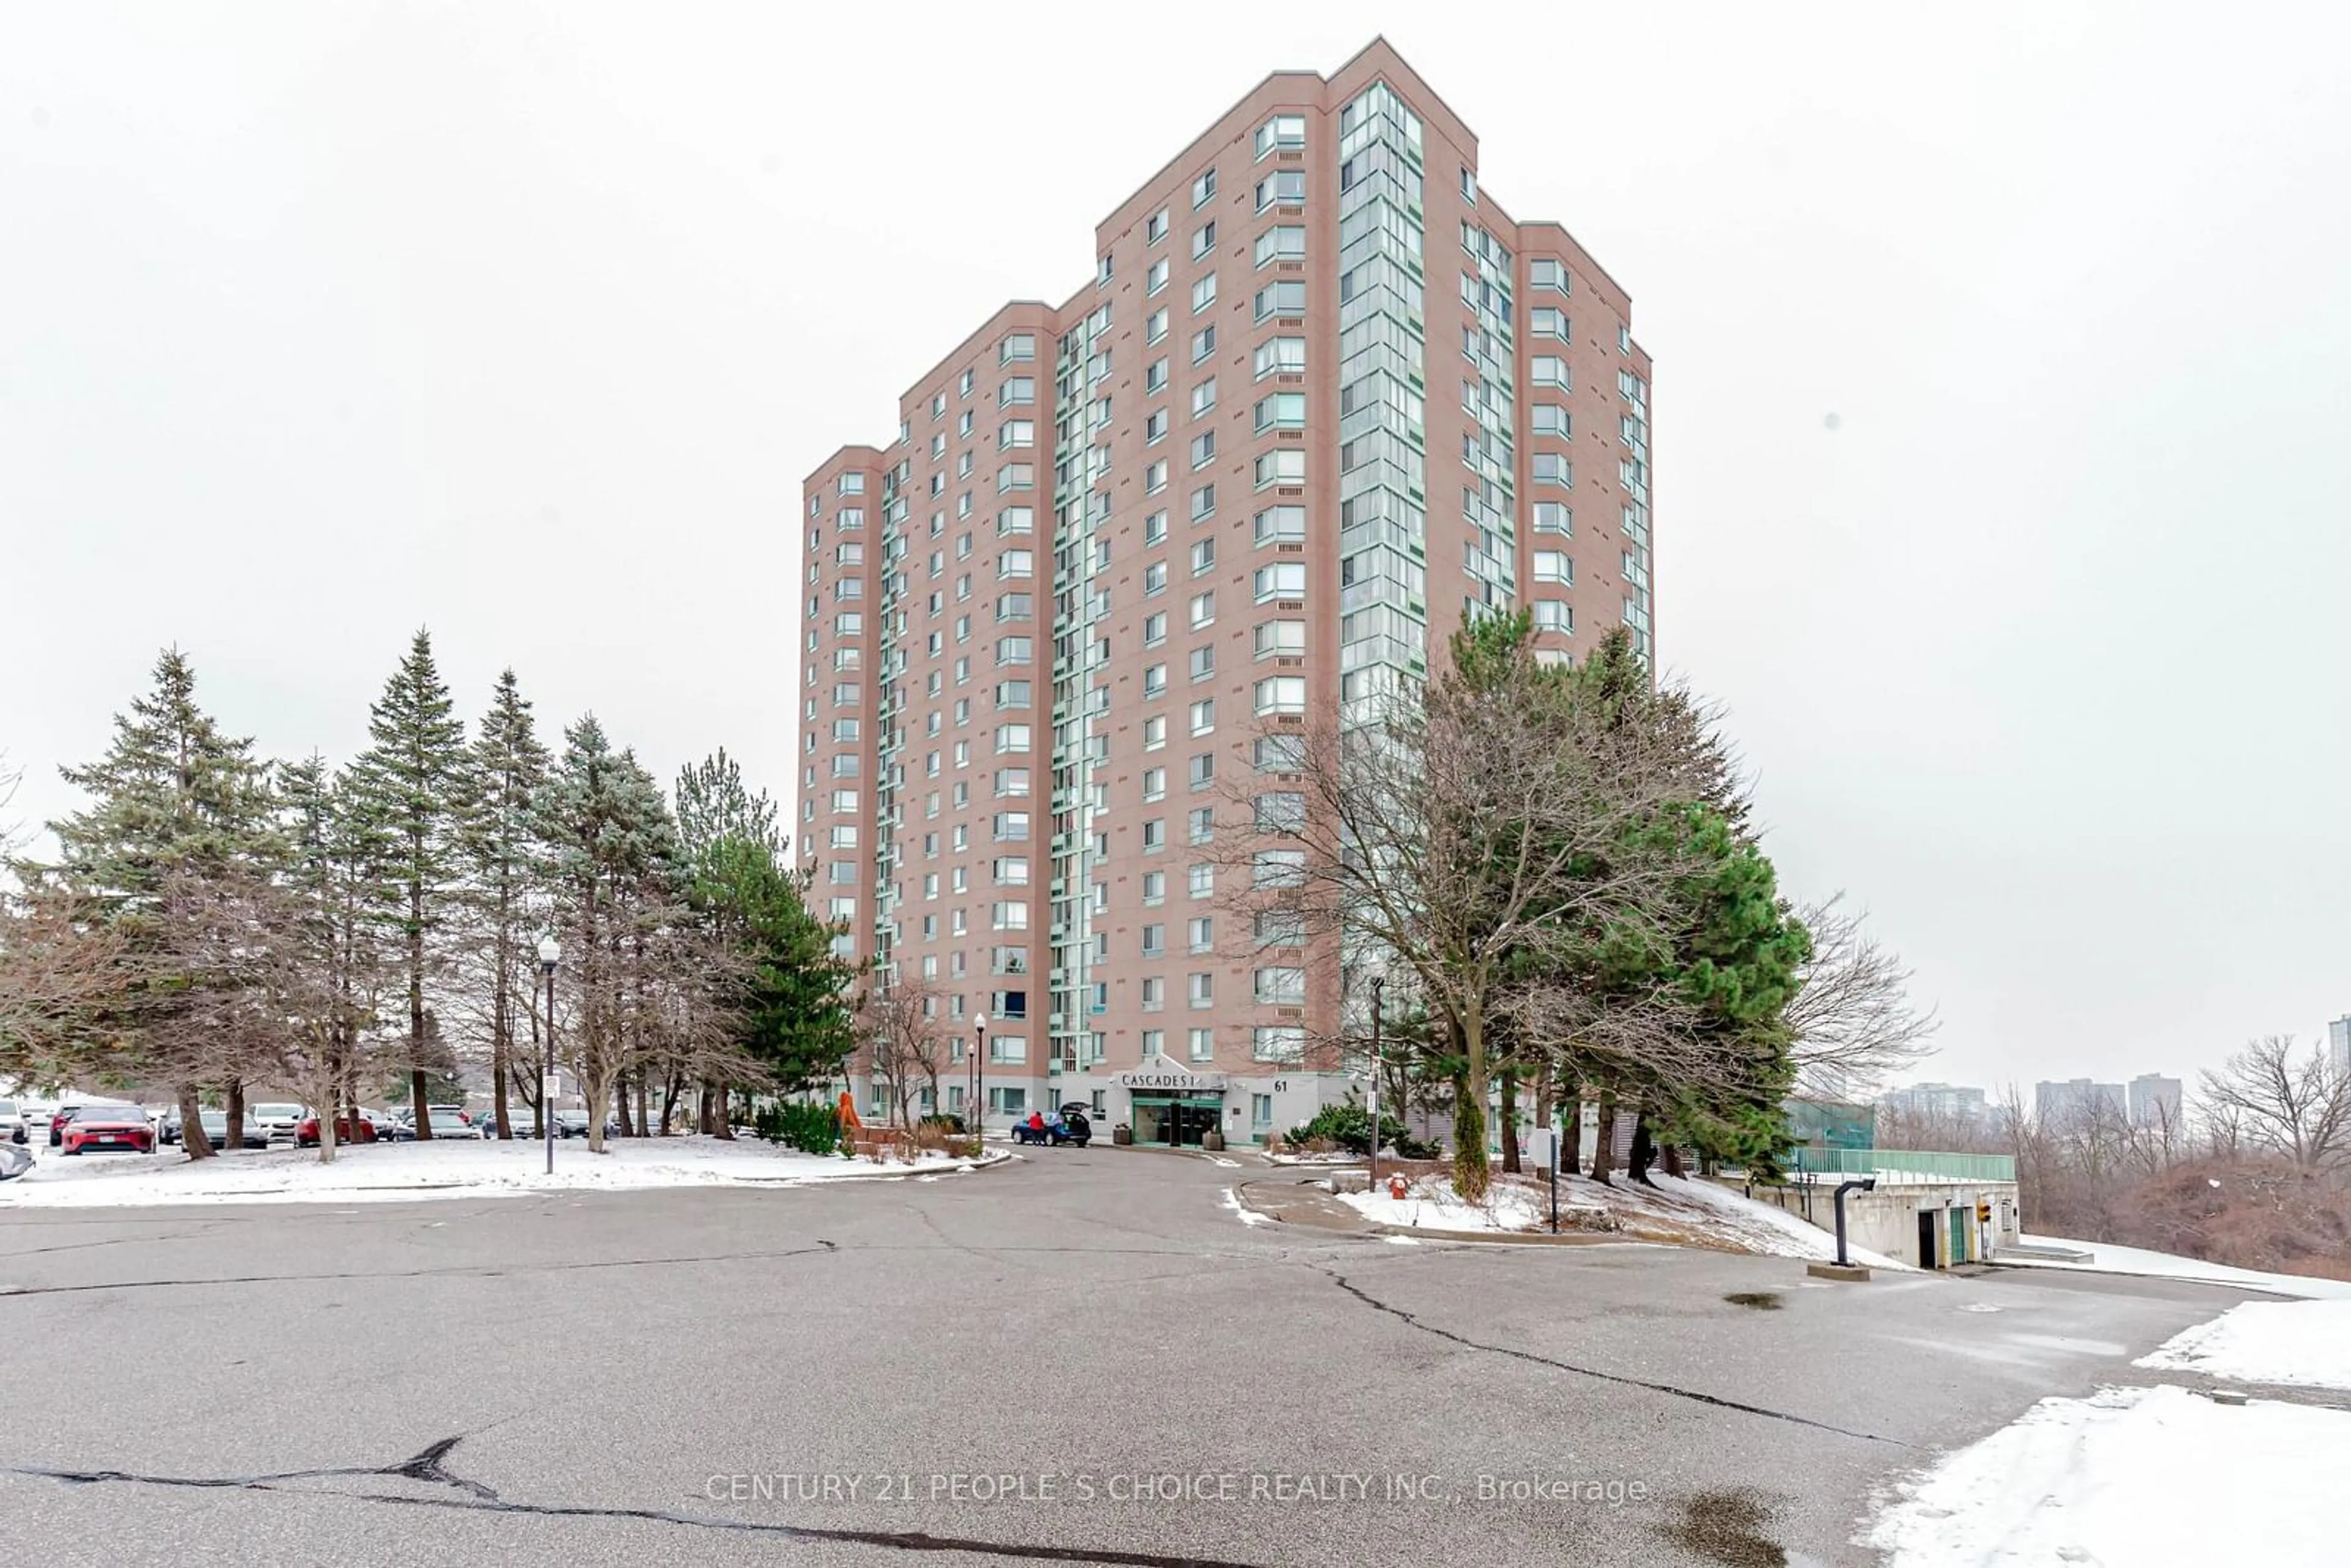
(550, 952)
(979, 1086)
(1372, 1183)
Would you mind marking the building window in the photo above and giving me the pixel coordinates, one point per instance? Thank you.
(1553, 566)
(1284, 356)
(1204, 292)
(1283, 411)
(1284, 187)
(1283, 132)
(1205, 239)
(1281, 694)
(1280, 1043)
(1280, 580)
(1544, 273)
(1280, 987)
(1553, 518)
(1204, 343)
(1284, 466)
(1283, 242)
(1204, 609)
(1200, 991)
(1155, 228)
(1287, 298)
(1548, 369)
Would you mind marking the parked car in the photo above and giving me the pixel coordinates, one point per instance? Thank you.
(124, 1127)
(280, 1119)
(12, 1124)
(216, 1127)
(571, 1123)
(306, 1131)
(448, 1122)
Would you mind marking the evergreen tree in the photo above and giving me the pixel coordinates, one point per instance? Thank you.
(413, 785)
(337, 872)
(505, 866)
(795, 1021)
(176, 806)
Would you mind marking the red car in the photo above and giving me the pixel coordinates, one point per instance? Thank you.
(306, 1136)
(108, 1127)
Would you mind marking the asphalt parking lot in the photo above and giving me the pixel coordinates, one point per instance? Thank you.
(1080, 1356)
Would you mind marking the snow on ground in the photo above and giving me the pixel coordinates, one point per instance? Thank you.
(2126, 1476)
(436, 1168)
(1431, 1204)
(1673, 1210)
(1679, 1209)
(2307, 1342)
(2111, 1259)
(1248, 1216)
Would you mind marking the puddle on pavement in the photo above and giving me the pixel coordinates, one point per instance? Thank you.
(1761, 1301)
(1727, 1527)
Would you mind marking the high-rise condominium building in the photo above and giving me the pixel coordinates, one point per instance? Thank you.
(2155, 1101)
(1321, 398)
(2338, 1043)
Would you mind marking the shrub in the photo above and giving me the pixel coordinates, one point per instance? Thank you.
(813, 1129)
(948, 1121)
(1348, 1126)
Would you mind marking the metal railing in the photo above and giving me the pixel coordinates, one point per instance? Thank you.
(1894, 1165)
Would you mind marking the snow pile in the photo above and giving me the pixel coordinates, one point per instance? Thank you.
(2110, 1259)
(2306, 1342)
(1705, 1214)
(2129, 1476)
(435, 1168)
(1431, 1204)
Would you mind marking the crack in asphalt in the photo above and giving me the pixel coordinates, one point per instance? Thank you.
(430, 1466)
(1715, 1400)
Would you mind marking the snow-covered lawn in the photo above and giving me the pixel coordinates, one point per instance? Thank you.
(2307, 1342)
(1673, 1210)
(436, 1168)
(1431, 1204)
(2107, 1258)
(2131, 1477)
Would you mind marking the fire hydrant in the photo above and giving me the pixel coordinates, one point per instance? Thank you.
(1395, 1187)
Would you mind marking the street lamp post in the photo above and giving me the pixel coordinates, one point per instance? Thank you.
(979, 1086)
(549, 952)
(1372, 1185)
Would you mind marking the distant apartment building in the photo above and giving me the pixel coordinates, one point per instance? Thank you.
(2077, 1097)
(2338, 1043)
(2154, 1101)
(1322, 399)
(1937, 1102)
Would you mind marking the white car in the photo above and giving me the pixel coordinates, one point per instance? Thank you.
(279, 1119)
(14, 1128)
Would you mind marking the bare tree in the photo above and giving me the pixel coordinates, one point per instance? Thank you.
(2299, 1106)
(1852, 1020)
(905, 1040)
(1467, 829)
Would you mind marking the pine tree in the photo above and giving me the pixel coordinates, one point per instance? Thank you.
(337, 873)
(506, 871)
(796, 1020)
(413, 785)
(177, 808)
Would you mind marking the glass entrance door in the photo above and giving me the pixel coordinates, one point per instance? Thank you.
(1175, 1123)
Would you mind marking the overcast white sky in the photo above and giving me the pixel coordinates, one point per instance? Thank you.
(318, 323)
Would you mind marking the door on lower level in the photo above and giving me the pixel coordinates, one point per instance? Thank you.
(1927, 1258)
